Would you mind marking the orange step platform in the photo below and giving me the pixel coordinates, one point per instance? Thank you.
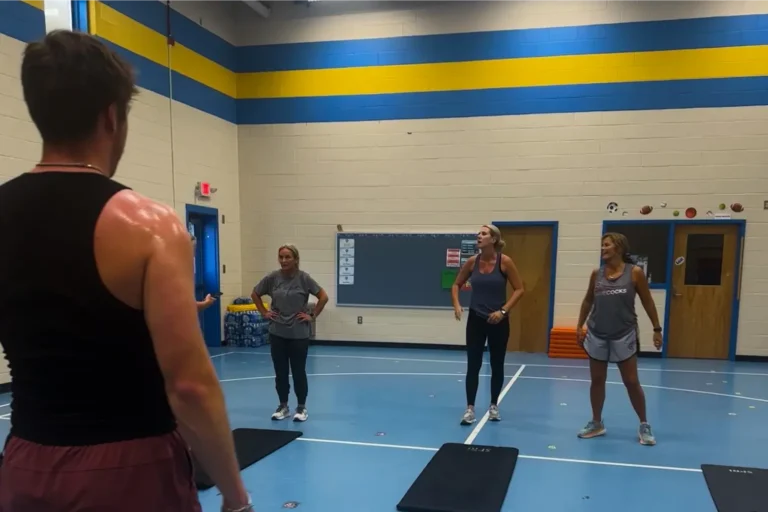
(562, 344)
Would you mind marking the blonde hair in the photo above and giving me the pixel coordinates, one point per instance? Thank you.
(622, 244)
(499, 242)
(293, 250)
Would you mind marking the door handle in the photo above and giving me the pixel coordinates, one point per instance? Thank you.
(675, 293)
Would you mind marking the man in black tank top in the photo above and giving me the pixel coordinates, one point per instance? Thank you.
(110, 376)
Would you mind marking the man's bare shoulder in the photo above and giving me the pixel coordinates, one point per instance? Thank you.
(135, 214)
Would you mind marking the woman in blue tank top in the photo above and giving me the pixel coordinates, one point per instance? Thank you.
(612, 334)
(489, 272)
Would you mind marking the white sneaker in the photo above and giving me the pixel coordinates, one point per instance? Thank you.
(493, 413)
(469, 417)
(281, 413)
(301, 414)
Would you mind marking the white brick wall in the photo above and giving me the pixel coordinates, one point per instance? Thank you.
(299, 181)
(331, 21)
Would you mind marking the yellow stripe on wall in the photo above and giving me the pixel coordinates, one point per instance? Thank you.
(141, 40)
(745, 61)
(37, 4)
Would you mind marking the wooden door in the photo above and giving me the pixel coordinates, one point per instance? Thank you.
(530, 247)
(703, 287)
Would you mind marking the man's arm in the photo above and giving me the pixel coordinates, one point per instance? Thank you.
(193, 389)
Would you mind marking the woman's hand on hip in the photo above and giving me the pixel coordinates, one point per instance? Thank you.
(270, 315)
(303, 317)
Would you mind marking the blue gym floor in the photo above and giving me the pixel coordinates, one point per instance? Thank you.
(376, 417)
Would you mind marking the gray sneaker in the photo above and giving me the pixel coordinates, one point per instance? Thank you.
(592, 429)
(281, 413)
(469, 417)
(646, 435)
(493, 413)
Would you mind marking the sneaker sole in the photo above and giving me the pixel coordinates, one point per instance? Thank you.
(592, 434)
(298, 420)
(465, 422)
(494, 419)
(646, 443)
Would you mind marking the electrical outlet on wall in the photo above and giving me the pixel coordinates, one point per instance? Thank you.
(360, 320)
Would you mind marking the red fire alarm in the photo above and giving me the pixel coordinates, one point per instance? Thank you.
(203, 189)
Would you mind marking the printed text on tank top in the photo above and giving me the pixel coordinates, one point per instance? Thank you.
(613, 310)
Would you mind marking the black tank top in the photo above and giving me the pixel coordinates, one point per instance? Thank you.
(83, 368)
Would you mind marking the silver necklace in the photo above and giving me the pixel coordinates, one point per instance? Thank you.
(70, 165)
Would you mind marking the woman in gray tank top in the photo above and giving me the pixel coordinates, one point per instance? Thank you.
(612, 333)
(489, 272)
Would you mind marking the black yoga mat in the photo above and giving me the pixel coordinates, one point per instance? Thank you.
(737, 489)
(463, 478)
(251, 445)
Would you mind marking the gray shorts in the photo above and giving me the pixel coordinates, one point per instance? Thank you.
(613, 351)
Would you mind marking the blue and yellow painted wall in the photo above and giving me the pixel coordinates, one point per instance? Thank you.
(694, 63)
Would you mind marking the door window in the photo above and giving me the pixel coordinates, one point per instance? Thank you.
(704, 260)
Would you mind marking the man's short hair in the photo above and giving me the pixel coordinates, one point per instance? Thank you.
(69, 79)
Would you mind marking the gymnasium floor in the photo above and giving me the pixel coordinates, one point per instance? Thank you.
(376, 416)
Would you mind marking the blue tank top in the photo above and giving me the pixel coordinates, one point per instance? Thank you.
(489, 291)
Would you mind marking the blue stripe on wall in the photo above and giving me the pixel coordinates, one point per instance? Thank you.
(729, 92)
(201, 97)
(154, 77)
(21, 21)
(610, 38)
(152, 14)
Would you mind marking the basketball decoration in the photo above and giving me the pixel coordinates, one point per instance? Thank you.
(645, 210)
(737, 207)
(690, 212)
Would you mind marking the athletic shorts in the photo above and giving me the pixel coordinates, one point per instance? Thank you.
(612, 351)
(153, 474)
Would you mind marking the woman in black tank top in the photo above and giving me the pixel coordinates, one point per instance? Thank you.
(619, 342)
(490, 271)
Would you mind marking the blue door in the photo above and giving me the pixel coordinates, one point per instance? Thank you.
(203, 224)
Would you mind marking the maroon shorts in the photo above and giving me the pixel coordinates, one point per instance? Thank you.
(142, 475)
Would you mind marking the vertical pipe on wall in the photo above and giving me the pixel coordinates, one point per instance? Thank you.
(80, 14)
(169, 46)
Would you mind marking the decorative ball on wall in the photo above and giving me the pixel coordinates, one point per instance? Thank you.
(624, 213)
(737, 207)
(645, 210)
(612, 207)
(663, 205)
(676, 213)
(690, 212)
(721, 206)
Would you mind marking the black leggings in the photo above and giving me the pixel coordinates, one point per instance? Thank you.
(288, 354)
(478, 330)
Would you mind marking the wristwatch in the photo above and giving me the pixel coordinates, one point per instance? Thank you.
(657, 329)
(503, 311)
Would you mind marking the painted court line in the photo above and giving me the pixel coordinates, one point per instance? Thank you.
(473, 435)
(530, 457)
(505, 390)
(655, 387)
(538, 365)
(354, 373)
